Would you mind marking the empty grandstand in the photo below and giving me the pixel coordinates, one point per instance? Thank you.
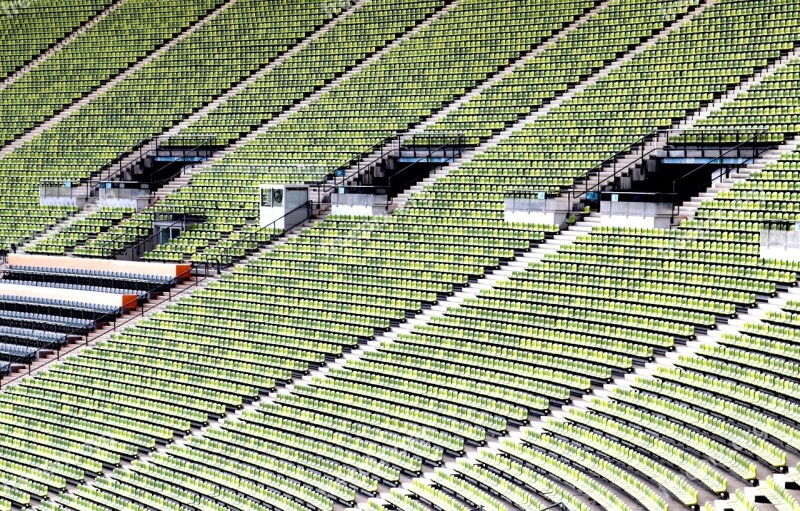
(408, 255)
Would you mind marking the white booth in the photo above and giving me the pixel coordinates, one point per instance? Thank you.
(536, 207)
(283, 206)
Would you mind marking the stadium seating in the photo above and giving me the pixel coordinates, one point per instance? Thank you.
(242, 39)
(422, 74)
(128, 34)
(118, 236)
(667, 425)
(566, 325)
(28, 325)
(488, 176)
(779, 497)
(603, 38)
(614, 113)
(441, 386)
(423, 88)
(80, 231)
(769, 104)
(376, 23)
(32, 326)
(29, 28)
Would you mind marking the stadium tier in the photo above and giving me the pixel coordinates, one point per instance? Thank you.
(526, 161)
(441, 355)
(235, 44)
(370, 28)
(440, 72)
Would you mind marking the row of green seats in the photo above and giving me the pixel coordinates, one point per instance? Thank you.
(126, 35)
(80, 231)
(30, 28)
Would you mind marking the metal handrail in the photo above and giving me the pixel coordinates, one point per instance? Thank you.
(778, 225)
(720, 157)
(612, 160)
(524, 193)
(160, 141)
(578, 193)
(658, 195)
(457, 141)
(362, 166)
(676, 208)
(110, 174)
(255, 234)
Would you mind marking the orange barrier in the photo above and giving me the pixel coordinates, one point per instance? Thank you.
(108, 265)
(74, 295)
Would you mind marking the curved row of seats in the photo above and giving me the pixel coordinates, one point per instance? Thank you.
(688, 430)
(441, 386)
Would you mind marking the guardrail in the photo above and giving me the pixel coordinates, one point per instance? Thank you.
(450, 146)
(592, 182)
(613, 161)
(752, 141)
